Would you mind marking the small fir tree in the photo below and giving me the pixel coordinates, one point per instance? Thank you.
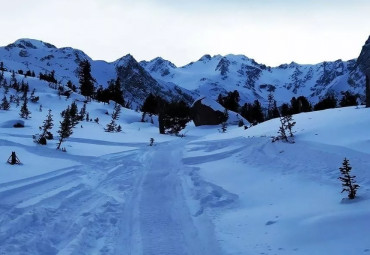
(73, 113)
(66, 127)
(112, 126)
(224, 121)
(47, 125)
(85, 79)
(24, 112)
(5, 105)
(348, 181)
(82, 113)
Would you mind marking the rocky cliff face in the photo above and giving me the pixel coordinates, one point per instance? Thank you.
(363, 60)
(363, 63)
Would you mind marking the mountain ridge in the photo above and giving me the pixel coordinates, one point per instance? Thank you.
(208, 76)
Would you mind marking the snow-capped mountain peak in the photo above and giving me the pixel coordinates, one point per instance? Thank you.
(30, 44)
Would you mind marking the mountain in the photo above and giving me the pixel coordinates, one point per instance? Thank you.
(211, 75)
(41, 57)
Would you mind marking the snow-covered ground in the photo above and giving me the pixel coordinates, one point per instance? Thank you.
(205, 193)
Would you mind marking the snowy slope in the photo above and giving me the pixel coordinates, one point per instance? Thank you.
(205, 193)
(289, 195)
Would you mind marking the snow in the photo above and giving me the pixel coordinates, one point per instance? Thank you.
(205, 193)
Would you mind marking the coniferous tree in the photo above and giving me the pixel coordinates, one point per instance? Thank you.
(33, 98)
(85, 79)
(24, 112)
(300, 104)
(224, 121)
(230, 101)
(257, 112)
(66, 127)
(73, 113)
(47, 125)
(115, 91)
(5, 105)
(112, 126)
(285, 109)
(326, 103)
(272, 110)
(150, 104)
(348, 181)
(175, 116)
(82, 113)
(348, 99)
(13, 80)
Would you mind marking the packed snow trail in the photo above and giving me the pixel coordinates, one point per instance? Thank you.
(122, 203)
(161, 219)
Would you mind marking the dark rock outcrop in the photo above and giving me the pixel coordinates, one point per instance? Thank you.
(363, 62)
(203, 114)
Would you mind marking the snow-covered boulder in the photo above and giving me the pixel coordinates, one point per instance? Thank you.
(206, 111)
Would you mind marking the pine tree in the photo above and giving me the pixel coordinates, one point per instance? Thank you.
(25, 113)
(224, 121)
(270, 100)
(47, 125)
(73, 113)
(5, 105)
(82, 113)
(85, 79)
(66, 127)
(112, 126)
(348, 99)
(348, 181)
(272, 110)
(115, 91)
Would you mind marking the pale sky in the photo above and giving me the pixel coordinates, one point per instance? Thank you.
(270, 31)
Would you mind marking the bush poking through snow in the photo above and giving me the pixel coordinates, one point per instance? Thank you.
(285, 130)
(348, 181)
(151, 141)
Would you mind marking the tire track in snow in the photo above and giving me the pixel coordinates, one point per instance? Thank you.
(78, 211)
